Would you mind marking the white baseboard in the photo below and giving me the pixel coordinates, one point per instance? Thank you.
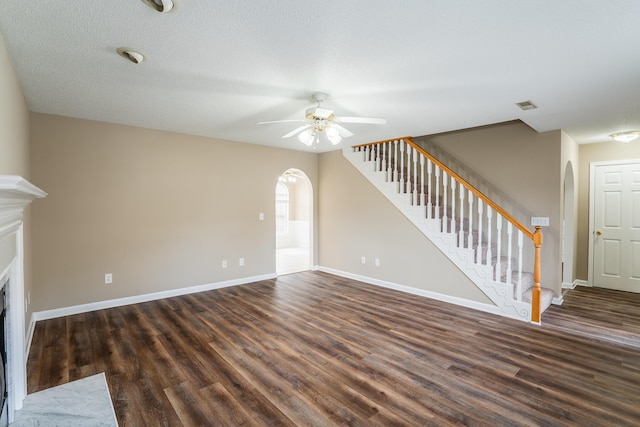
(100, 305)
(581, 283)
(32, 328)
(566, 285)
(488, 308)
(557, 300)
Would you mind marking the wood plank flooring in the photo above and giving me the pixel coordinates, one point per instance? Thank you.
(312, 349)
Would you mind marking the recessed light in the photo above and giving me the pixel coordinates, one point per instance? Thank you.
(626, 137)
(162, 6)
(130, 54)
(526, 105)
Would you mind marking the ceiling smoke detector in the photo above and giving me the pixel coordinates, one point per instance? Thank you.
(526, 105)
(130, 54)
(162, 6)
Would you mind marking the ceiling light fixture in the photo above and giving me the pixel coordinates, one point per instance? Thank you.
(130, 54)
(626, 137)
(162, 6)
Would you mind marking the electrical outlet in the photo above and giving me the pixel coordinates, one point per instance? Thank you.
(241, 262)
(108, 278)
(224, 263)
(363, 260)
(261, 216)
(377, 262)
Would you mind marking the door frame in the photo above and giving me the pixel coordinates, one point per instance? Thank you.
(592, 205)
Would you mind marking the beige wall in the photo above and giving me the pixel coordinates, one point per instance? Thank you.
(526, 166)
(600, 152)
(14, 120)
(158, 210)
(14, 146)
(357, 220)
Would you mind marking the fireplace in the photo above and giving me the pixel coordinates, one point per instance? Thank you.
(15, 195)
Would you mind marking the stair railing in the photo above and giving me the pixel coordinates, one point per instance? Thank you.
(423, 177)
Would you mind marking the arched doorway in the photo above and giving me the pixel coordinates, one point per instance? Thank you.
(568, 227)
(294, 225)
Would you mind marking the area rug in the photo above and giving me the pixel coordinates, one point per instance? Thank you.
(84, 402)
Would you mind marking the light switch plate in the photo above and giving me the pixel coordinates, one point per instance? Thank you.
(542, 221)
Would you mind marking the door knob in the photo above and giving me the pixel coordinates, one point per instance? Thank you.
(598, 232)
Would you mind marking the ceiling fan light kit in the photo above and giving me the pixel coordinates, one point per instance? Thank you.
(321, 120)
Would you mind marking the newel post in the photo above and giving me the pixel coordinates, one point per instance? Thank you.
(536, 291)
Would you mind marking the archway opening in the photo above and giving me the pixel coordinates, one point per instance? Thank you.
(294, 214)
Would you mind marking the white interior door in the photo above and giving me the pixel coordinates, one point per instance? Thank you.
(616, 226)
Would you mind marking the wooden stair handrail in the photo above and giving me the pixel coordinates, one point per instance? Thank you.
(535, 237)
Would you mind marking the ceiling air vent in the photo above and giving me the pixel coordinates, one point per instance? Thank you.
(526, 105)
(162, 6)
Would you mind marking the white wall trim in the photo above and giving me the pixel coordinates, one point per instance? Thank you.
(566, 285)
(487, 308)
(581, 283)
(118, 302)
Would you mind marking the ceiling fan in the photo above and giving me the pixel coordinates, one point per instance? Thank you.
(318, 120)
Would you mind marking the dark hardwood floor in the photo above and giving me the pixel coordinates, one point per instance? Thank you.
(312, 349)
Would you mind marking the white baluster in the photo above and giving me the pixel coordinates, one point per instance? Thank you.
(509, 276)
(499, 248)
(401, 172)
(489, 227)
(395, 161)
(437, 192)
(445, 203)
(519, 288)
(461, 232)
(453, 205)
(387, 150)
(470, 219)
(415, 177)
(407, 181)
(421, 192)
(429, 202)
(479, 248)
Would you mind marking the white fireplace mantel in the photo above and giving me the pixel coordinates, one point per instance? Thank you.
(16, 193)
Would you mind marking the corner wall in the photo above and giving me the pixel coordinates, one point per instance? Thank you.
(158, 210)
(14, 147)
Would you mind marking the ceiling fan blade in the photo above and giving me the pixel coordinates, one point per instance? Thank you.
(281, 121)
(365, 120)
(293, 132)
(345, 133)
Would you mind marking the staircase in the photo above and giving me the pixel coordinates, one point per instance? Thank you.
(483, 240)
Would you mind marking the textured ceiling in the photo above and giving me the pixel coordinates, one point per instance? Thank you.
(216, 67)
